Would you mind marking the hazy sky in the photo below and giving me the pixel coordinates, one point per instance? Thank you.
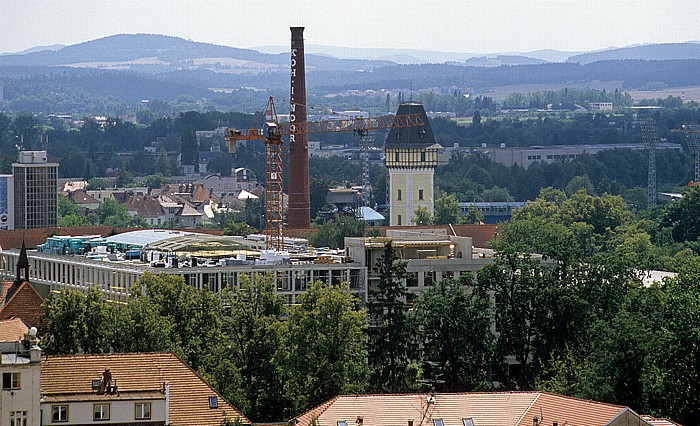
(484, 26)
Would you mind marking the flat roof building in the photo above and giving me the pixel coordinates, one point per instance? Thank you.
(35, 190)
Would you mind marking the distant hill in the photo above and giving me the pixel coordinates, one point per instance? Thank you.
(495, 61)
(159, 53)
(52, 47)
(650, 52)
(399, 56)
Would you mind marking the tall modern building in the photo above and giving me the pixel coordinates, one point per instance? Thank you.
(7, 203)
(36, 190)
(411, 158)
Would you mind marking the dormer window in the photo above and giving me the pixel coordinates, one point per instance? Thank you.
(342, 423)
(468, 422)
(213, 402)
(438, 422)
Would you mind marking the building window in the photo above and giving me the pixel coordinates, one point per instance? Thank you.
(438, 422)
(398, 195)
(143, 411)
(420, 194)
(422, 156)
(411, 279)
(18, 418)
(11, 380)
(59, 413)
(398, 222)
(213, 402)
(342, 423)
(100, 411)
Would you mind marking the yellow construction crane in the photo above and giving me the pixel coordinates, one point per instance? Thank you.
(272, 133)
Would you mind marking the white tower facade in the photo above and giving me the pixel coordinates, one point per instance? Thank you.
(411, 158)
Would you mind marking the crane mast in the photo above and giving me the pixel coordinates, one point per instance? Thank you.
(272, 133)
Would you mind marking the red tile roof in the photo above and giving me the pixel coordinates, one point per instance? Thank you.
(12, 330)
(485, 409)
(138, 372)
(23, 302)
(659, 422)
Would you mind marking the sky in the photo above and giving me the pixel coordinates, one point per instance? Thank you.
(484, 26)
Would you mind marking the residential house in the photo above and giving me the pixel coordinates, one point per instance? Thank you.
(20, 370)
(241, 179)
(86, 202)
(467, 409)
(147, 207)
(118, 194)
(155, 389)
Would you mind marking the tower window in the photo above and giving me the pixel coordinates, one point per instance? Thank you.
(399, 221)
(398, 195)
(422, 157)
(420, 194)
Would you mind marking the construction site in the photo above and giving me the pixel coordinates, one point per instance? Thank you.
(214, 262)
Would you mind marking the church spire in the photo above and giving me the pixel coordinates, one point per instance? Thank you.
(23, 264)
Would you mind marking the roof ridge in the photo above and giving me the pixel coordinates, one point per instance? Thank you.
(441, 393)
(537, 396)
(111, 354)
(321, 409)
(19, 288)
(583, 399)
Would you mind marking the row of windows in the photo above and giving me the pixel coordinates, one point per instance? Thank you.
(551, 156)
(101, 411)
(399, 194)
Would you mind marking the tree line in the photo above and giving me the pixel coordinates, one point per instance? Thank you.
(562, 308)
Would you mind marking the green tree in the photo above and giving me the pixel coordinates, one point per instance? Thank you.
(391, 330)
(447, 210)
(326, 327)
(255, 353)
(682, 216)
(239, 228)
(156, 180)
(141, 327)
(189, 148)
(77, 322)
(111, 213)
(474, 216)
(578, 183)
(422, 217)
(333, 232)
(195, 315)
(67, 207)
(98, 183)
(456, 331)
(514, 280)
(677, 358)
